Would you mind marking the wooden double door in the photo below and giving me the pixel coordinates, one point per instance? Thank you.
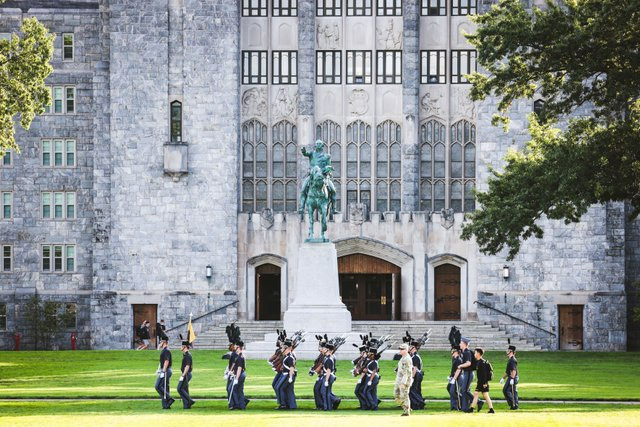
(369, 287)
(447, 292)
(570, 325)
(268, 285)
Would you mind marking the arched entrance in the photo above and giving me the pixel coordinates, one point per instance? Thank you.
(268, 292)
(447, 292)
(370, 287)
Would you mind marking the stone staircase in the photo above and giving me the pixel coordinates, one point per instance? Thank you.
(259, 345)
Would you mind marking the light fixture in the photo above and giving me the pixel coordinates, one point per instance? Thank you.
(505, 272)
(209, 271)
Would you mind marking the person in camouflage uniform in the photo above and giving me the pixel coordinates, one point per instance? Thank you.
(403, 380)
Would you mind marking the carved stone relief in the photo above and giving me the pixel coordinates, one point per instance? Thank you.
(266, 218)
(284, 35)
(447, 218)
(358, 102)
(285, 105)
(461, 104)
(356, 213)
(254, 103)
(432, 104)
(255, 35)
(463, 29)
(389, 37)
(328, 36)
(434, 33)
(389, 103)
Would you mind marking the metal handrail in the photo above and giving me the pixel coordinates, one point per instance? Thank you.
(514, 317)
(203, 315)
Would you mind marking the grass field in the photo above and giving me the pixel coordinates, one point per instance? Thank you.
(130, 374)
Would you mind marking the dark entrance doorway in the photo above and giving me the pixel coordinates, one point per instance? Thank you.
(370, 287)
(267, 292)
(570, 322)
(145, 312)
(447, 292)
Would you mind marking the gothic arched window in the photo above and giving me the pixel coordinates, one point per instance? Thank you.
(254, 166)
(432, 165)
(330, 133)
(359, 163)
(284, 169)
(463, 166)
(388, 166)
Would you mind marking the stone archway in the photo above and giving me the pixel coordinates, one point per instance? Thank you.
(251, 285)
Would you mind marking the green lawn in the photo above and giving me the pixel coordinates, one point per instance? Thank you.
(126, 374)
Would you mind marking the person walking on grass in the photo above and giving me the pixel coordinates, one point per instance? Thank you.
(185, 378)
(510, 389)
(485, 374)
(164, 375)
(403, 380)
(236, 398)
(454, 386)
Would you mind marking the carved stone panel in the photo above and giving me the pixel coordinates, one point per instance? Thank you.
(358, 102)
(328, 35)
(461, 104)
(389, 34)
(432, 103)
(284, 104)
(254, 103)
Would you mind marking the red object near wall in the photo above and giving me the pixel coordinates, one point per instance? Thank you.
(16, 341)
(74, 338)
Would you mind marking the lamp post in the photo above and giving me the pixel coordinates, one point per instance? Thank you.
(209, 271)
(505, 272)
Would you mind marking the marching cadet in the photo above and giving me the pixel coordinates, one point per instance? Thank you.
(185, 378)
(238, 375)
(510, 389)
(359, 365)
(466, 375)
(415, 393)
(276, 364)
(316, 369)
(328, 378)
(485, 371)
(287, 396)
(403, 380)
(164, 375)
(371, 372)
(454, 386)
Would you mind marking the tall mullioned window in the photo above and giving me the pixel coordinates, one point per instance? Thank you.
(328, 63)
(358, 67)
(284, 168)
(6, 198)
(285, 8)
(359, 148)
(58, 205)
(359, 7)
(7, 258)
(176, 121)
(254, 67)
(463, 7)
(462, 62)
(3, 316)
(328, 7)
(254, 166)
(58, 153)
(432, 166)
(433, 66)
(6, 159)
(284, 67)
(329, 132)
(434, 8)
(463, 166)
(63, 100)
(58, 258)
(254, 7)
(389, 8)
(389, 67)
(67, 47)
(388, 166)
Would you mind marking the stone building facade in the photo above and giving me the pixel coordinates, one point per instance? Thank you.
(186, 122)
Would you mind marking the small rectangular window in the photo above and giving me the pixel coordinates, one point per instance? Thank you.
(462, 62)
(46, 152)
(254, 67)
(58, 203)
(47, 108)
(46, 205)
(433, 66)
(58, 100)
(6, 159)
(359, 8)
(59, 258)
(46, 258)
(3, 316)
(176, 121)
(70, 99)
(254, 7)
(58, 265)
(359, 67)
(70, 147)
(328, 63)
(328, 7)
(389, 67)
(7, 258)
(58, 150)
(284, 67)
(70, 202)
(67, 47)
(463, 7)
(434, 8)
(285, 8)
(63, 100)
(70, 259)
(7, 204)
(389, 8)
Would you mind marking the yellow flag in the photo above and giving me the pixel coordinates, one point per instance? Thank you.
(191, 336)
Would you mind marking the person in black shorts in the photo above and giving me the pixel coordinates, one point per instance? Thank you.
(483, 369)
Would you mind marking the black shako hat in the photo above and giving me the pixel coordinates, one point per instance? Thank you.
(512, 348)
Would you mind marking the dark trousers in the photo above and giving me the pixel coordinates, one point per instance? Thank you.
(183, 391)
(237, 399)
(454, 390)
(415, 392)
(162, 387)
(466, 397)
(359, 392)
(229, 384)
(274, 385)
(328, 398)
(371, 392)
(511, 392)
(317, 396)
(287, 393)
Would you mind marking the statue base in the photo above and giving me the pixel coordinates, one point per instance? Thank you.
(316, 305)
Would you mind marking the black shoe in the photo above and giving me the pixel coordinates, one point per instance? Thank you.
(514, 408)
(491, 411)
(170, 403)
(480, 405)
(469, 411)
(193, 402)
(336, 404)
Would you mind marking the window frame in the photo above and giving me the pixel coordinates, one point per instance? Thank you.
(4, 205)
(248, 8)
(3, 248)
(3, 159)
(440, 5)
(63, 258)
(456, 74)
(387, 180)
(352, 61)
(262, 75)
(336, 76)
(64, 153)
(64, 100)
(381, 75)
(175, 137)
(425, 62)
(382, 9)
(354, 10)
(322, 8)
(463, 179)
(64, 47)
(292, 65)
(291, 9)
(3, 316)
(64, 206)
(459, 10)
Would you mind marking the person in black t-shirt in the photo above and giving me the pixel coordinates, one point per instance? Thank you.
(160, 332)
(465, 374)
(185, 378)
(454, 386)
(238, 375)
(510, 389)
(483, 368)
(164, 375)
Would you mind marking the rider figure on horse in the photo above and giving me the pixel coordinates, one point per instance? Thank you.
(323, 160)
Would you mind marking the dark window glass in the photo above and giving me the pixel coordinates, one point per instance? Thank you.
(176, 121)
(463, 7)
(358, 67)
(328, 7)
(285, 7)
(538, 107)
(433, 66)
(389, 8)
(254, 7)
(254, 67)
(328, 63)
(358, 7)
(434, 8)
(462, 62)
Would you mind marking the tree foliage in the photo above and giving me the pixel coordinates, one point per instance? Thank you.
(583, 54)
(24, 64)
(44, 320)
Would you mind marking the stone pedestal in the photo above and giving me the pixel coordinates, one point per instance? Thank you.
(316, 305)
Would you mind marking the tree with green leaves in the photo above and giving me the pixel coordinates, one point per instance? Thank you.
(577, 54)
(44, 320)
(24, 64)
